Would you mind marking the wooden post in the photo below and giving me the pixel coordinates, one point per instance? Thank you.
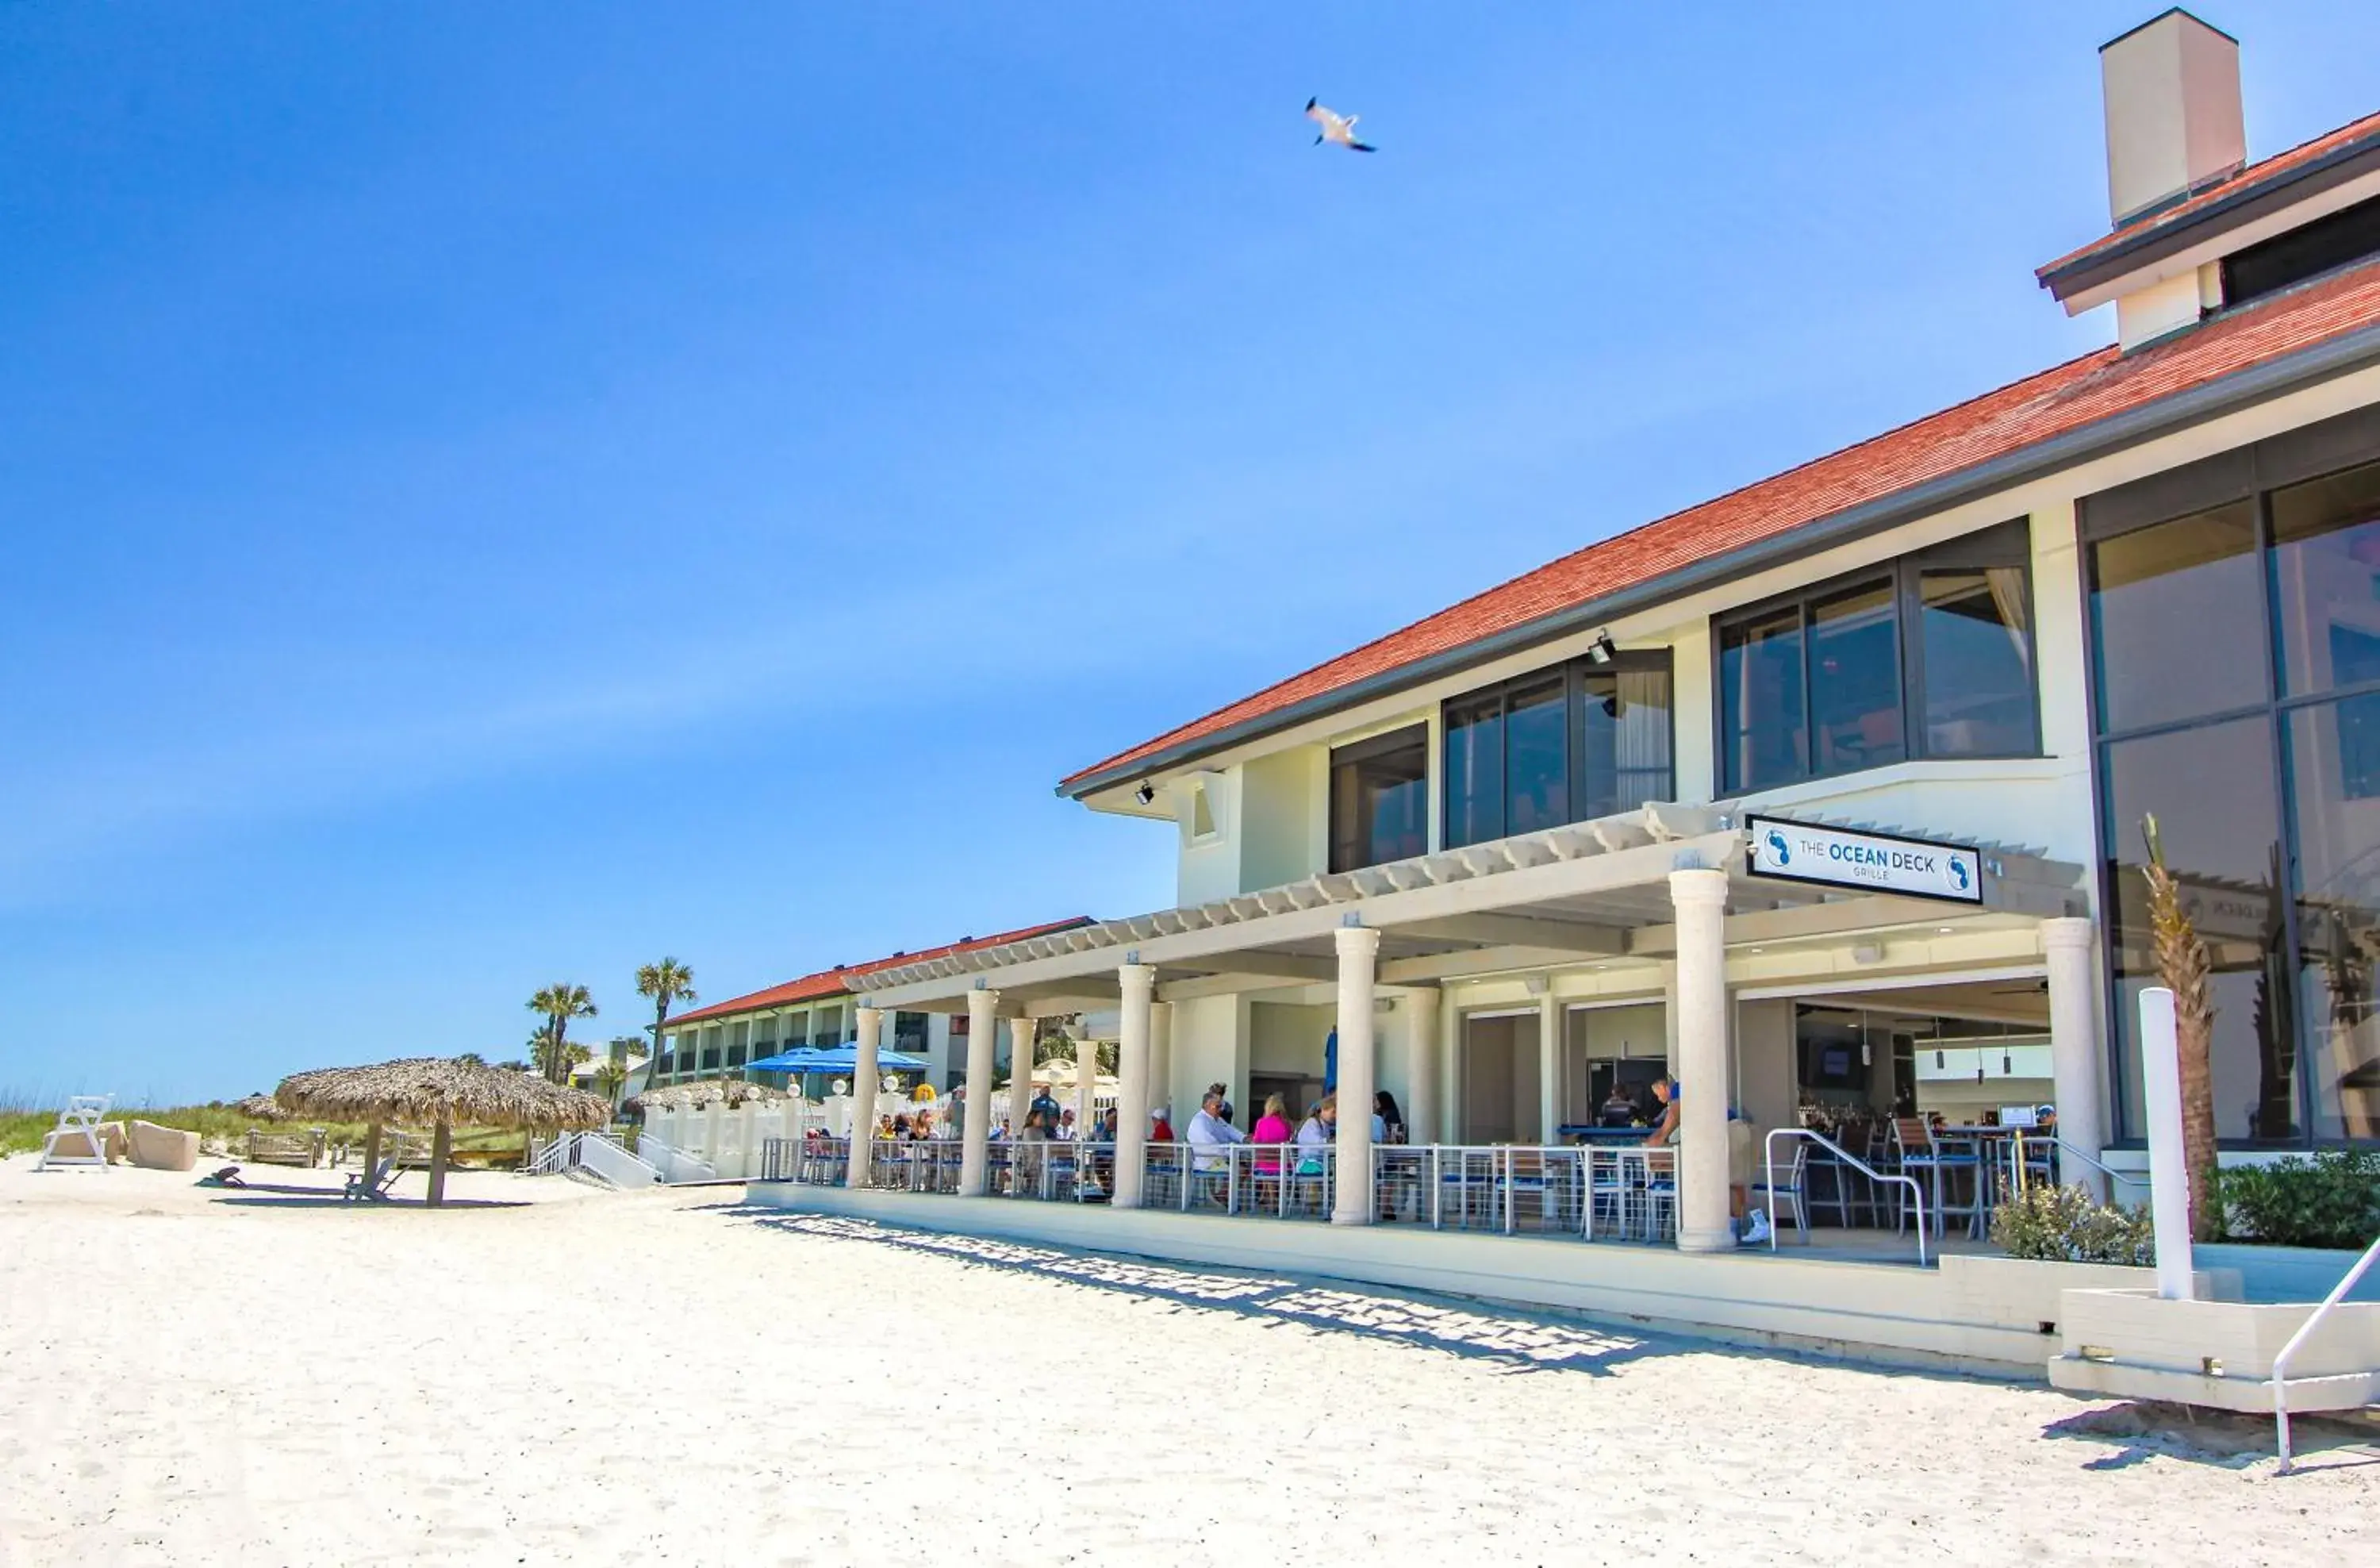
(442, 1145)
(371, 1151)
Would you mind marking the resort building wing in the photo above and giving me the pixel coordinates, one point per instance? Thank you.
(1828, 794)
(719, 1040)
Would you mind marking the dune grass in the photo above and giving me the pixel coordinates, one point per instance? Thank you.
(21, 1127)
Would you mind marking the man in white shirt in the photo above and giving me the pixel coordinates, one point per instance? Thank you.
(1208, 1130)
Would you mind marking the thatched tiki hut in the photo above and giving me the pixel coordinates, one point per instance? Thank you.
(437, 1093)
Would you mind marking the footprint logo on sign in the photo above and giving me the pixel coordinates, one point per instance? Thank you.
(1959, 874)
(1778, 847)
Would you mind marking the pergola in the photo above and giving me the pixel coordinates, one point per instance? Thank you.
(1664, 882)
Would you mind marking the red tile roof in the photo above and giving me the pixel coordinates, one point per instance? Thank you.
(2053, 403)
(2255, 175)
(838, 982)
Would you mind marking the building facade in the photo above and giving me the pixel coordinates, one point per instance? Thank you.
(820, 1009)
(1834, 790)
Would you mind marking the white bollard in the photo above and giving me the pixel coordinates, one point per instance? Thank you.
(2169, 1173)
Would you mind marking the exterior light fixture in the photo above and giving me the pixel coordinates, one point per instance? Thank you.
(1602, 650)
(1146, 793)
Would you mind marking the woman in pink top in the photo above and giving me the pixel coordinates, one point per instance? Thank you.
(1273, 1128)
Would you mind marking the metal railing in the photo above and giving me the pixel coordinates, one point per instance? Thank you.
(815, 1159)
(1285, 1181)
(554, 1156)
(607, 1158)
(1768, 1158)
(2305, 1332)
(1050, 1170)
(914, 1165)
(2023, 1141)
(672, 1164)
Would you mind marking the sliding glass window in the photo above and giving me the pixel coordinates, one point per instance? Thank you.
(1578, 741)
(1929, 656)
(1379, 799)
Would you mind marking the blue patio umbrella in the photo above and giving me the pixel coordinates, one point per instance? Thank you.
(836, 1059)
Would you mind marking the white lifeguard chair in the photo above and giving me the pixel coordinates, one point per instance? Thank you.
(78, 1128)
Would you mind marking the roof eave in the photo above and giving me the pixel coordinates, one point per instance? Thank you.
(2253, 199)
(2223, 395)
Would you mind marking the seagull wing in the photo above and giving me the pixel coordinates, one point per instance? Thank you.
(1361, 147)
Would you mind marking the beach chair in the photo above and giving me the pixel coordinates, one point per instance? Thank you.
(371, 1186)
(77, 1139)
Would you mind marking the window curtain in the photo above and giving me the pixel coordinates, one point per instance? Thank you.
(2007, 584)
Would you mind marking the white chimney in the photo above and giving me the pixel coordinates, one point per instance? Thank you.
(2172, 90)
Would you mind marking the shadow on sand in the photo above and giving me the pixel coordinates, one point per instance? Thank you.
(1513, 1338)
(2140, 1430)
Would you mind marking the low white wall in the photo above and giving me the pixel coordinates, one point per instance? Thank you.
(1867, 1311)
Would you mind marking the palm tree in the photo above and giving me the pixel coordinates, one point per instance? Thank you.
(666, 982)
(2183, 963)
(613, 1077)
(560, 1003)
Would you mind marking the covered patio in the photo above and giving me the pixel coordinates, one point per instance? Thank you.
(1665, 909)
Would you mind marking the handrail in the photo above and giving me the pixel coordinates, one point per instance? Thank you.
(2017, 1144)
(2281, 1362)
(1768, 1157)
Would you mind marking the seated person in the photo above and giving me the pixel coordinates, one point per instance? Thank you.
(1619, 1106)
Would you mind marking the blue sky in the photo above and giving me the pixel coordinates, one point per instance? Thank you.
(494, 494)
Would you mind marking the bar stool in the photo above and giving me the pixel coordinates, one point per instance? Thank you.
(1921, 1155)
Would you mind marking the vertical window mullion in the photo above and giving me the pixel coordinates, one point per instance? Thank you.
(1809, 688)
(1908, 611)
(2291, 1007)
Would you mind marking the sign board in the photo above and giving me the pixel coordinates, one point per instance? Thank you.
(1796, 852)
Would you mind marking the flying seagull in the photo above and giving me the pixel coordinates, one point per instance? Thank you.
(1336, 127)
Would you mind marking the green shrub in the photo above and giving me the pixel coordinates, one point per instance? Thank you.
(2056, 1225)
(2330, 1200)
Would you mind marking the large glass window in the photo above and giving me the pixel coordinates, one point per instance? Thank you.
(1760, 696)
(1379, 799)
(2337, 820)
(1855, 679)
(1624, 722)
(2156, 594)
(1975, 643)
(1536, 755)
(2326, 581)
(2236, 660)
(1557, 746)
(1931, 656)
(1474, 766)
(2211, 788)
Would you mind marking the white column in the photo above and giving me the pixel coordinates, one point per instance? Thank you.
(864, 1078)
(1699, 898)
(714, 1118)
(1087, 1078)
(2168, 1164)
(983, 1039)
(1550, 1064)
(1160, 1055)
(2074, 1055)
(1421, 1067)
(1450, 1061)
(1021, 1032)
(1138, 985)
(1359, 948)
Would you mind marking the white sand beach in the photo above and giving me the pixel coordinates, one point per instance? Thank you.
(200, 1377)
